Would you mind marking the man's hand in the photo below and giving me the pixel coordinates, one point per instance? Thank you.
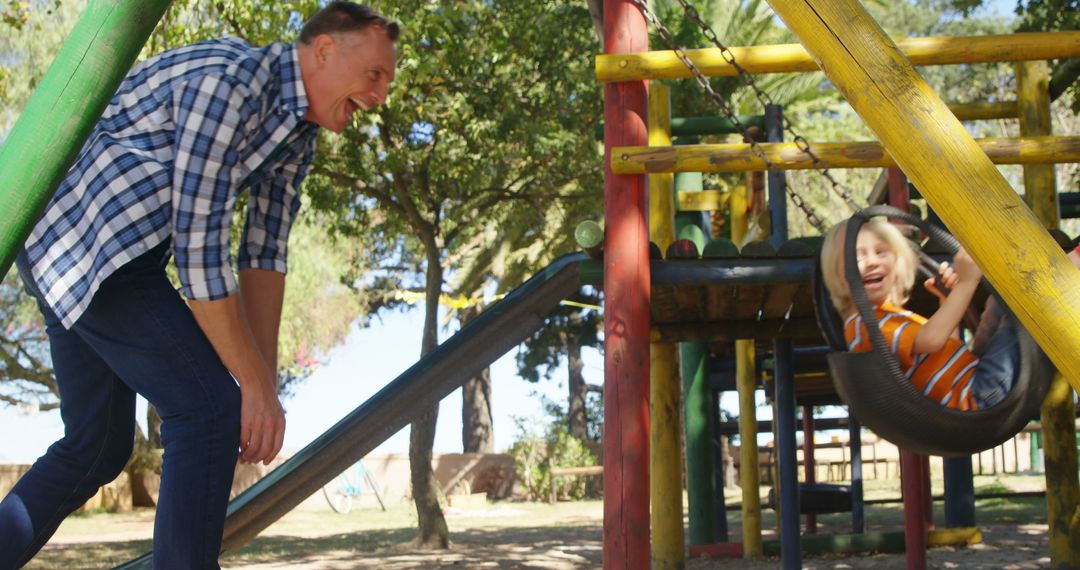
(262, 423)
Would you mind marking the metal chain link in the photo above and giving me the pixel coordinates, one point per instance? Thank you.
(725, 108)
(764, 98)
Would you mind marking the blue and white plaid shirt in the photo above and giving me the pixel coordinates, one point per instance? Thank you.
(186, 132)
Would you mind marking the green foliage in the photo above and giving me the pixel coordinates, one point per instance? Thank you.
(485, 135)
(30, 35)
(535, 454)
(320, 306)
(545, 349)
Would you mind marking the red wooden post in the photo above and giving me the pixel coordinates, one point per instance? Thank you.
(899, 197)
(914, 523)
(927, 492)
(626, 307)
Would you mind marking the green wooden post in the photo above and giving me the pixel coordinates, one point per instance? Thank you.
(697, 394)
(64, 108)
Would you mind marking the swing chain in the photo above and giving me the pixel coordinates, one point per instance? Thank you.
(800, 142)
(726, 109)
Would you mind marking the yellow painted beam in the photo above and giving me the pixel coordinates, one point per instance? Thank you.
(984, 111)
(665, 482)
(1059, 429)
(786, 58)
(662, 185)
(1023, 263)
(787, 156)
(704, 201)
(964, 536)
(1062, 494)
(745, 375)
(1033, 100)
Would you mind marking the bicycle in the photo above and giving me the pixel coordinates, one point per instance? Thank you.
(349, 485)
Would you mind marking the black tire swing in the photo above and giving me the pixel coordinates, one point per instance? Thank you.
(873, 385)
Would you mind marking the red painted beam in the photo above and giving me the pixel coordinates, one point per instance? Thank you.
(626, 310)
(720, 550)
(914, 504)
(898, 189)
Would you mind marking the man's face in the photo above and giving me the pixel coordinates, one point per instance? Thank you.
(353, 72)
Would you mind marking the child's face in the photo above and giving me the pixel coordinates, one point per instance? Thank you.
(877, 264)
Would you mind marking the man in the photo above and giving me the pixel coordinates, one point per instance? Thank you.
(186, 133)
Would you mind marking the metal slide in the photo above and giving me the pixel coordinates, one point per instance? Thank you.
(483, 340)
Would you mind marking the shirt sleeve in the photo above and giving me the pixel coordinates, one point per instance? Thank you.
(272, 208)
(207, 112)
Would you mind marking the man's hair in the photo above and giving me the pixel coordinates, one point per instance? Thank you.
(832, 264)
(340, 17)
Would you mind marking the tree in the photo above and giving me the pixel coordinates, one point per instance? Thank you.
(487, 129)
(569, 328)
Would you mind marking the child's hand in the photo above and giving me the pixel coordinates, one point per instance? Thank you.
(946, 276)
(966, 270)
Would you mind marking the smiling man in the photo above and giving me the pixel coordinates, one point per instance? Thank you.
(188, 131)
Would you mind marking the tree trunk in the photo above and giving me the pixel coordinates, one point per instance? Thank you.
(576, 414)
(476, 428)
(433, 532)
(476, 424)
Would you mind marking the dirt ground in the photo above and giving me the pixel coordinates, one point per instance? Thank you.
(503, 535)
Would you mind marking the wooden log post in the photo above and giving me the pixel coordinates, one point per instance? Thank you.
(626, 309)
(745, 377)
(665, 446)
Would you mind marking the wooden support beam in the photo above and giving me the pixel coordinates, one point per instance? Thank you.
(665, 449)
(787, 58)
(626, 309)
(984, 111)
(787, 156)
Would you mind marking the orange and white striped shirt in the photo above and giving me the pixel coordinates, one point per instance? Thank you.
(943, 376)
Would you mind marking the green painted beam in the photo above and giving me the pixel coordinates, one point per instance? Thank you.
(64, 108)
(692, 126)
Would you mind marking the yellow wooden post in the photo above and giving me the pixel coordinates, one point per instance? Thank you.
(1033, 99)
(666, 461)
(745, 374)
(1040, 193)
(1019, 258)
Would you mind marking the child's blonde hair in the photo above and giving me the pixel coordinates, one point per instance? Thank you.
(832, 264)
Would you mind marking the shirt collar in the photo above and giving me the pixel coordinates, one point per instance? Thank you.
(293, 95)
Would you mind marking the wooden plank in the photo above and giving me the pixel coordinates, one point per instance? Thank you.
(788, 156)
(786, 58)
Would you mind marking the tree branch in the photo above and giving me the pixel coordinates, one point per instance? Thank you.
(364, 188)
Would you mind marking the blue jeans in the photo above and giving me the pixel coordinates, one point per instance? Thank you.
(998, 364)
(137, 336)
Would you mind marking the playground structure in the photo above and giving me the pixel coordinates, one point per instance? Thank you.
(1047, 299)
(923, 137)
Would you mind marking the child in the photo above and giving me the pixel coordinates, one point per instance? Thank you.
(930, 352)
